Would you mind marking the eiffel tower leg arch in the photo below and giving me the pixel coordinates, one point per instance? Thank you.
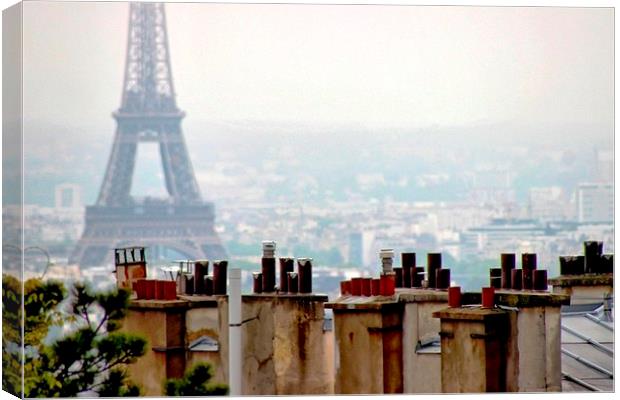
(148, 112)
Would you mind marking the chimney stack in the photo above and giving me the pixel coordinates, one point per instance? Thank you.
(587, 278)
(442, 278)
(417, 277)
(388, 277)
(528, 265)
(209, 285)
(516, 277)
(387, 259)
(345, 288)
(495, 275)
(286, 265)
(201, 270)
(356, 286)
(219, 277)
(257, 279)
(508, 264)
(454, 297)
(408, 266)
(293, 282)
(398, 277)
(592, 251)
(268, 266)
(366, 283)
(130, 265)
(473, 359)
(433, 263)
(304, 268)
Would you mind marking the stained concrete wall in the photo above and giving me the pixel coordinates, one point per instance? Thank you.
(553, 338)
(257, 336)
(283, 346)
(533, 345)
(368, 349)
(464, 366)
(512, 353)
(472, 350)
(357, 320)
(533, 350)
(283, 342)
(165, 355)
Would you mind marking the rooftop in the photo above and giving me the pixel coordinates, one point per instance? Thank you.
(587, 350)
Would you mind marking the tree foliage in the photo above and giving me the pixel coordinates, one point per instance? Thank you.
(195, 382)
(90, 358)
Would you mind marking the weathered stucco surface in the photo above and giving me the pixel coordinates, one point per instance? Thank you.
(368, 351)
(282, 336)
(533, 350)
(301, 361)
(283, 346)
(463, 359)
(360, 354)
(553, 371)
(472, 346)
(165, 355)
(512, 353)
(257, 337)
(532, 347)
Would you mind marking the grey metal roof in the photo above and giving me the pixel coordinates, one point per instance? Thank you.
(587, 352)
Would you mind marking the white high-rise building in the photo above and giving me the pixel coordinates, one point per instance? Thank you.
(595, 202)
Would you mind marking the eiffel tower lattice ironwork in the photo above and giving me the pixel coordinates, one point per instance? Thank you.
(183, 221)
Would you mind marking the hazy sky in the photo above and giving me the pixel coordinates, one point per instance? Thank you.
(370, 65)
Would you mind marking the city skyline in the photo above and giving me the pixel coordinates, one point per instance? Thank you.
(509, 167)
(262, 79)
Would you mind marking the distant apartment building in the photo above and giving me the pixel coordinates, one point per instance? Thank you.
(491, 185)
(356, 248)
(501, 235)
(67, 195)
(595, 202)
(605, 166)
(548, 204)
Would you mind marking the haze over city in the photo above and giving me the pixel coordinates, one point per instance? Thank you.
(440, 119)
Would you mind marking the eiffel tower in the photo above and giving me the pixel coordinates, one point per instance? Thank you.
(182, 222)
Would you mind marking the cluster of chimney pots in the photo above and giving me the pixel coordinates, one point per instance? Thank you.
(507, 277)
(196, 282)
(408, 275)
(593, 261)
(291, 282)
(199, 282)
